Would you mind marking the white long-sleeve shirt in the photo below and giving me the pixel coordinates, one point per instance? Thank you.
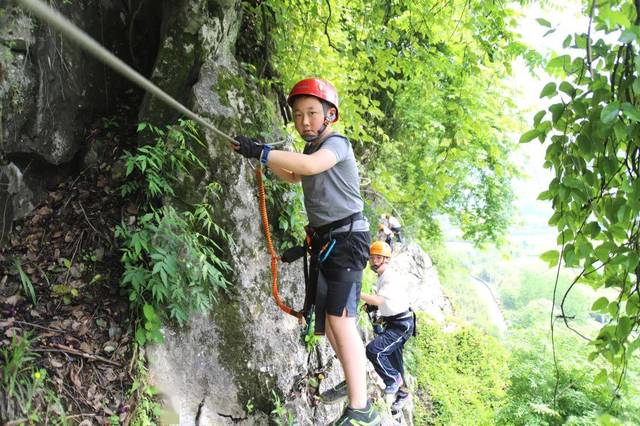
(394, 292)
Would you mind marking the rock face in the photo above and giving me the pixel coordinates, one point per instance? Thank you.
(421, 277)
(15, 197)
(246, 359)
(51, 92)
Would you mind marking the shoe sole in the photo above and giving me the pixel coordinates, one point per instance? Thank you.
(361, 423)
(326, 400)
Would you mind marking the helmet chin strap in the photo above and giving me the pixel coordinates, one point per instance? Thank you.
(375, 267)
(328, 118)
(314, 138)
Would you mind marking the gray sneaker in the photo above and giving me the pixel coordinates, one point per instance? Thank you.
(394, 387)
(335, 394)
(367, 416)
(402, 398)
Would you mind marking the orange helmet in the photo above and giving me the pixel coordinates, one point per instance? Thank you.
(318, 88)
(380, 248)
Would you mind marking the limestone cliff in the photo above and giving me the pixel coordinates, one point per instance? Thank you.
(52, 93)
(416, 269)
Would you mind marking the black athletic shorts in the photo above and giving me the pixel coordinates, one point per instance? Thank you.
(340, 276)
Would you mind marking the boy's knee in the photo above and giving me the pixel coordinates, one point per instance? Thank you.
(371, 357)
(371, 351)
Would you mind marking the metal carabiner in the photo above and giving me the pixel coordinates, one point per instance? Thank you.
(326, 251)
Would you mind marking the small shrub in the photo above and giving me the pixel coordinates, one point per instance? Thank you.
(462, 371)
(27, 386)
(27, 285)
(171, 258)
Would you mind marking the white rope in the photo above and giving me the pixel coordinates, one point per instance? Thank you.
(67, 28)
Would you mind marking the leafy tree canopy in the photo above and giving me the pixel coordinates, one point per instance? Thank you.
(421, 95)
(591, 132)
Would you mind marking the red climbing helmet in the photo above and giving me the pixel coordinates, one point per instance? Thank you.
(317, 87)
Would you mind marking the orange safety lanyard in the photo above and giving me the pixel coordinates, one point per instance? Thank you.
(272, 252)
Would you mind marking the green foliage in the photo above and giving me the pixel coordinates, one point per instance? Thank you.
(27, 386)
(147, 410)
(531, 281)
(526, 288)
(310, 338)
(170, 265)
(249, 407)
(162, 162)
(591, 133)
(16, 364)
(280, 415)
(461, 370)
(456, 269)
(110, 123)
(286, 201)
(421, 98)
(172, 258)
(582, 395)
(27, 285)
(532, 380)
(464, 298)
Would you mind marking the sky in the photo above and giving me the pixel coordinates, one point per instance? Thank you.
(566, 18)
(531, 230)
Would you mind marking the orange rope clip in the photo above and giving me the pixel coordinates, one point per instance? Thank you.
(272, 252)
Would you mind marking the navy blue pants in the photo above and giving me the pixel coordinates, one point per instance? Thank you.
(385, 351)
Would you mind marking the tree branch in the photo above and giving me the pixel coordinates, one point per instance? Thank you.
(552, 322)
(464, 9)
(615, 72)
(326, 28)
(592, 9)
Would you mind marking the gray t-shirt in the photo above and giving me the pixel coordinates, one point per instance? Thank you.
(335, 193)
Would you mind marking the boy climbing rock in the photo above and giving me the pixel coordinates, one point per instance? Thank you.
(385, 234)
(398, 323)
(395, 226)
(339, 232)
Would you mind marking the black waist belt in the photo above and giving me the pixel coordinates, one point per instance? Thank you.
(342, 275)
(401, 315)
(321, 230)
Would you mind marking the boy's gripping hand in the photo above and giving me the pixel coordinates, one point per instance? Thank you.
(248, 147)
(369, 308)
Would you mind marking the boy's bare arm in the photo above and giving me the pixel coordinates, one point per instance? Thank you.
(285, 175)
(302, 164)
(372, 299)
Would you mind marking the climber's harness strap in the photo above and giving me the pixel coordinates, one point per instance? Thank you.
(402, 318)
(317, 248)
(326, 229)
(320, 243)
